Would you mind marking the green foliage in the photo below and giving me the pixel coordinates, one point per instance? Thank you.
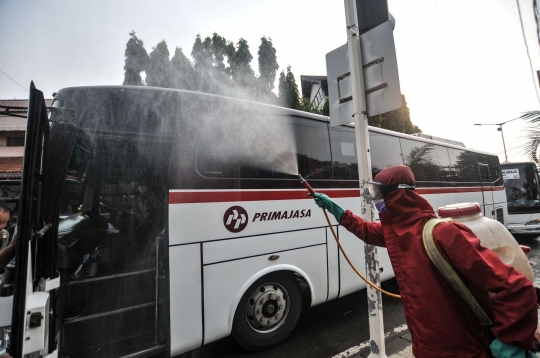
(398, 120)
(159, 72)
(307, 106)
(208, 72)
(326, 108)
(532, 138)
(219, 48)
(282, 87)
(136, 61)
(183, 76)
(241, 71)
(202, 57)
(268, 65)
(288, 90)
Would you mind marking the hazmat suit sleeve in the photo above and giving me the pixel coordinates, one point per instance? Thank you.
(514, 301)
(370, 232)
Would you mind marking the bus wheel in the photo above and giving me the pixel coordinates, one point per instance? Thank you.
(268, 311)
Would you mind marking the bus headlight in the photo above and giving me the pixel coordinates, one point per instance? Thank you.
(533, 222)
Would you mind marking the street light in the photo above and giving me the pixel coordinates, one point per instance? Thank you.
(500, 130)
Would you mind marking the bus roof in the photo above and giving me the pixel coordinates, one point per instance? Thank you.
(128, 101)
(509, 164)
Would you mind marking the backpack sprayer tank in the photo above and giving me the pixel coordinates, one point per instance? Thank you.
(492, 234)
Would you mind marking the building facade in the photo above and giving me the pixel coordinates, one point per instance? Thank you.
(12, 134)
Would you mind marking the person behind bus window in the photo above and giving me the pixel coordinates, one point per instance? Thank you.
(441, 323)
(525, 192)
(7, 236)
(147, 207)
(144, 207)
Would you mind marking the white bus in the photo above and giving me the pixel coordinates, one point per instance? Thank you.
(523, 196)
(176, 219)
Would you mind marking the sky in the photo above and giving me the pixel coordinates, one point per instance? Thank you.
(460, 62)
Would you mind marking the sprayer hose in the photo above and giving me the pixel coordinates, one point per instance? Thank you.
(352, 265)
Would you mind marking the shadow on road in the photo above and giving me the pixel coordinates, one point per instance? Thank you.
(324, 330)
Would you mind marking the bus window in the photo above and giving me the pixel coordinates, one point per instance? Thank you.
(111, 254)
(464, 166)
(313, 148)
(271, 148)
(75, 180)
(492, 174)
(522, 186)
(494, 170)
(429, 162)
(385, 151)
(345, 162)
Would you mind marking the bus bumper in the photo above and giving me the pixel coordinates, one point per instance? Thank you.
(524, 229)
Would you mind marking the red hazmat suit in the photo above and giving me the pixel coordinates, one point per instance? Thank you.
(440, 322)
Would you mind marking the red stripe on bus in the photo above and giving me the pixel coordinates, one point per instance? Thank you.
(457, 190)
(256, 195)
(187, 197)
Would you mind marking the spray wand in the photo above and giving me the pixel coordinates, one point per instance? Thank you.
(312, 192)
(306, 184)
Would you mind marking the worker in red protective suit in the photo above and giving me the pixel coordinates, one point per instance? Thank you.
(440, 321)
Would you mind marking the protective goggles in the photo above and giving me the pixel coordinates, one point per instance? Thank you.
(377, 190)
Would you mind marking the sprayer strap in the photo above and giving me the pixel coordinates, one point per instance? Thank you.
(449, 273)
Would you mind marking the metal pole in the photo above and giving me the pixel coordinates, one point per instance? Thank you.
(376, 326)
(504, 145)
(156, 318)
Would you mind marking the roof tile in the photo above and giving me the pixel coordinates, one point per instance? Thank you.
(11, 165)
(20, 105)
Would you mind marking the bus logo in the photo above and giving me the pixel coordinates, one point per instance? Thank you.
(235, 219)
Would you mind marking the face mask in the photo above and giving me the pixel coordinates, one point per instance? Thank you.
(381, 206)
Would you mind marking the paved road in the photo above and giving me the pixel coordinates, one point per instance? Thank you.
(534, 256)
(333, 328)
(323, 331)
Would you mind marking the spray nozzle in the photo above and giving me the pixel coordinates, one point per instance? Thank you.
(306, 184)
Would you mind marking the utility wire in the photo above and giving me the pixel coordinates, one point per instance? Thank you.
(527, 47)
(14, 81)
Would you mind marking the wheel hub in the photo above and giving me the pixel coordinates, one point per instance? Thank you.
(267, 307)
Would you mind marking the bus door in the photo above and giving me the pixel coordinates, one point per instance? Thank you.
(51, 155)
(487, 190)
(112, 241)
(30, 315)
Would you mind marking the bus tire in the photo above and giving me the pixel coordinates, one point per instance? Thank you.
(268, 311)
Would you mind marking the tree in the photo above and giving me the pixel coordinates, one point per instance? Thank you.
(240, 63)
(268, 65)
(398, 120)
(219, 48)
(288, 90)
(159, 72)
(533, 136)
(136, 61)
(198, 53)
(221, 75)
(202, 57)
(308, 106)
(282, 88)
(182, 71)
(211, 75)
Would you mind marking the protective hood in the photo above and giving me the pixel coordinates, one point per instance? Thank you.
(403, 206)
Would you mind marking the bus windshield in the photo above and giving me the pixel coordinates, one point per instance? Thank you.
(522, 187)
